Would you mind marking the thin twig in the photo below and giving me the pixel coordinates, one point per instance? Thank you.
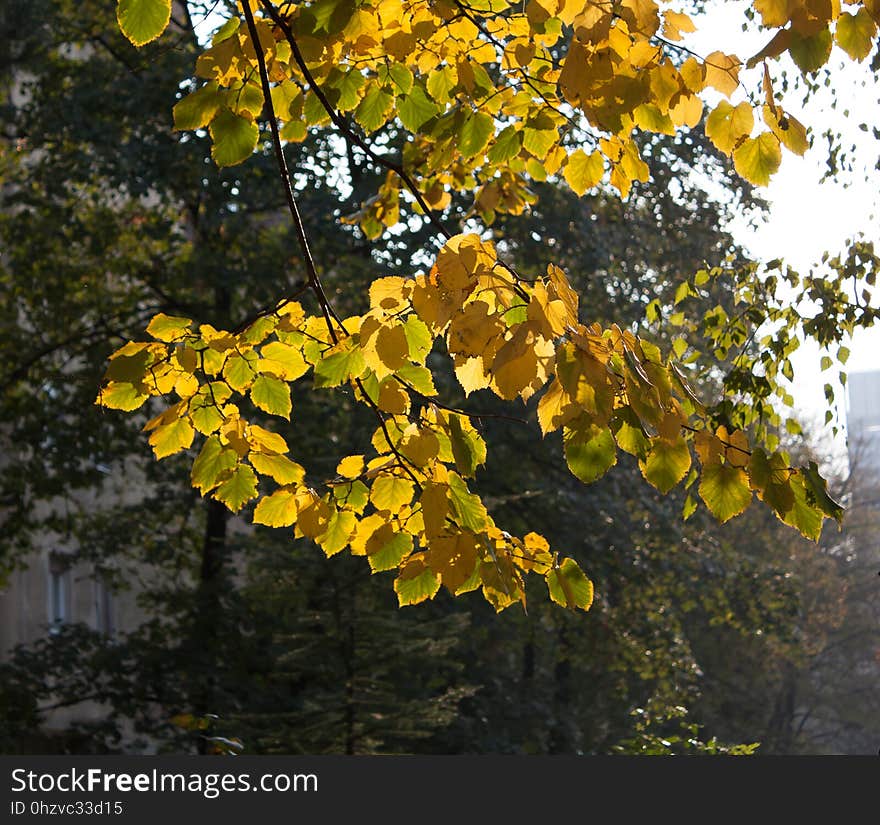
(314, 280)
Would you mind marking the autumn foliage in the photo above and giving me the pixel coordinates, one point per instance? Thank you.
(490, 96)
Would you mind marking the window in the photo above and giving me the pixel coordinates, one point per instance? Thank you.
(59, 591)
(104, 607)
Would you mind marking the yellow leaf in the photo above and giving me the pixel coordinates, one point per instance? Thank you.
(351, 466)
(277, 510)
(725, 490)
(120, 395)
(674, 23)
(264, 441)
(282, 360)
(472, 375)
(384, 346)
(168, 328)
(340, 529)
(453, 558)
(390, 494)
(393, 398)
(239, 487)
(435, 508)
(172, 438)
(583, 171)
(726, 125)
(722, 72)
(278, 467)
(758, 158)
(471, 330)
(390, 294)
(790, 132)
(272, 395)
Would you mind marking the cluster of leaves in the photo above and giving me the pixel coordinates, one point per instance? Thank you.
(407, 505)
(492, 97)
(775, 308)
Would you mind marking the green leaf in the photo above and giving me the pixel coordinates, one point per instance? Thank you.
(725, 490)
(468, 449)
(416, 583)
(441, 82)
(143, 20)
(770, 478)
(346, 86)
(206, 418)
(506, 145)
(197, 110)
(758, 158)
(419, 378)
(475, 132)
(374, 108)
(817, 492)
(339, 367)
(240, 370)
(540, 136)
(810, 53)
(416, 109)
(240, 487)
(569, 586)
(628, 433)
(667, 463)
(855, 34)
(391, 553)
(469, 510)
(352, 494)
(589, 450)
(233, 137)
(397, 75)
(803, 515)
(272, 395)
(419, 340)
(338, 533)
(277, 510)
(212, 464)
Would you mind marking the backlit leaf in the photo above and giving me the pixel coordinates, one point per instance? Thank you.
(855, 33)
(212, 464)
(168, 327)
(667, 463)
(569, 586)
(272, 395)
(583, 171)
(758, 158)
(172, 438)
(590, 451)
(277, 510)
(234, 138)
(725, 490)
(239, 488)
(475, 133)
(416, 582)
(143, 20)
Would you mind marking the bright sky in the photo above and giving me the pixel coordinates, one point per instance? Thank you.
(807, 217)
